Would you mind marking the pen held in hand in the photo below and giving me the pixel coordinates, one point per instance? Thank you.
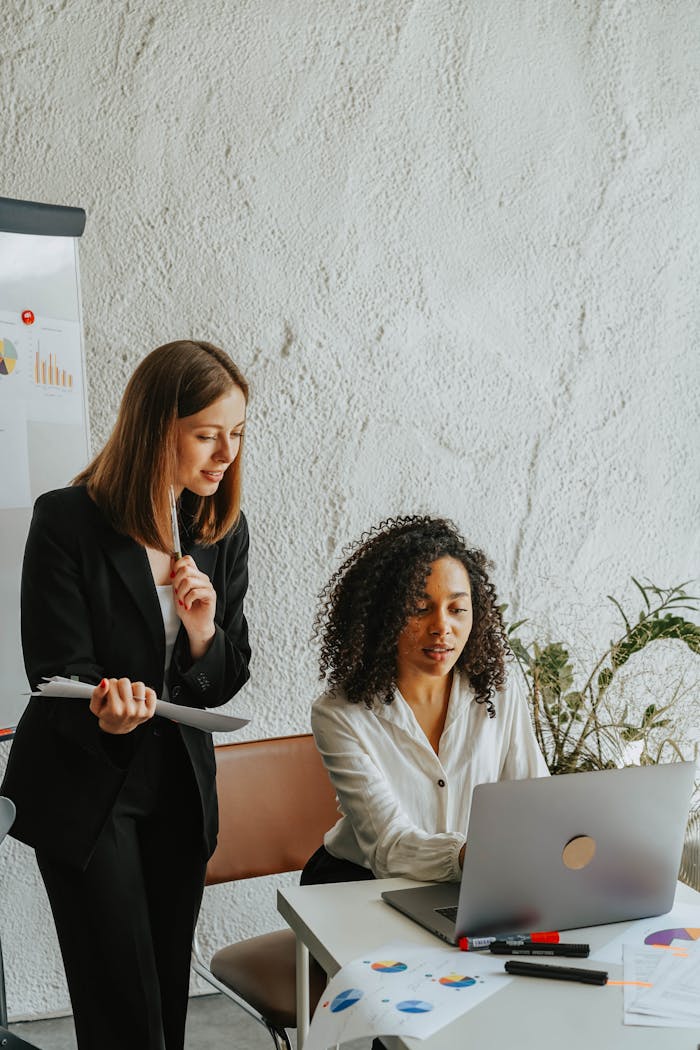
(177, 546)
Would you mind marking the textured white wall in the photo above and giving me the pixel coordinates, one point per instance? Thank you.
(453, 244)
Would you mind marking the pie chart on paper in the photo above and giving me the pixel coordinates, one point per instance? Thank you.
(344, 1000)
(8, 357)
(414, 1006)
(457, 980)
(667, 937)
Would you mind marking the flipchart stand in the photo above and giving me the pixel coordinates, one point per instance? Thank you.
(8, 1040)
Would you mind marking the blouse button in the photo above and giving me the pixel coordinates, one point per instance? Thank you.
(441, 783)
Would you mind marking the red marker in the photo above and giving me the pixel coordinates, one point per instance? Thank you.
(473, 944)
(28, 316)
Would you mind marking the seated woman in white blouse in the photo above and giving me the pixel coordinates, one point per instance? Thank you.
(418, 709)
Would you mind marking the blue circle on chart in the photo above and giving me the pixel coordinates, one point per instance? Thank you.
(414, 1006)
(345, 999)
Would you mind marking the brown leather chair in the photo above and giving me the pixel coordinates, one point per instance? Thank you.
(275, 804)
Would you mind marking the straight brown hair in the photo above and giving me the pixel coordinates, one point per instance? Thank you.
(129, 478)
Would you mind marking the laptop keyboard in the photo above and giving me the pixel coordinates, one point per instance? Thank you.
(449, 913)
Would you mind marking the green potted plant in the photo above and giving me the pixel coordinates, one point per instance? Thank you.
(586, 726)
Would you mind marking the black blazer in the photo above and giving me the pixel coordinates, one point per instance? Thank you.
(90, 608)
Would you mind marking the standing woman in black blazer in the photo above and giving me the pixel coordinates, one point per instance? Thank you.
(121, 806)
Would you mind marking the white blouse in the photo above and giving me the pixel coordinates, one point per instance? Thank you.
(405, 810)
(171, 625)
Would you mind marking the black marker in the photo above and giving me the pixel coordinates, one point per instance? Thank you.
(577, 951)
(559, 973)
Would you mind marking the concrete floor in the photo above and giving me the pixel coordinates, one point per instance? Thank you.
(213, 1023)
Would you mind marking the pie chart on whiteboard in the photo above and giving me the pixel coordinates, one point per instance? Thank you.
(8, 357)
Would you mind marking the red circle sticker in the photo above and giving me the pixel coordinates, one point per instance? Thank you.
(28, 316)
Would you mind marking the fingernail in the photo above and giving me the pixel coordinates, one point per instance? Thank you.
(172, 575)
(180, 603)
(103, 683)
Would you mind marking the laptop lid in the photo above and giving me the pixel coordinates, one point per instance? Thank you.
(562, 852)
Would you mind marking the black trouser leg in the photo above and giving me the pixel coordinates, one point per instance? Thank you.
(103, 928)
(125, 923)
(174, 869)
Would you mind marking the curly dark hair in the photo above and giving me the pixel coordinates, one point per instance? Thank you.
(368, 601)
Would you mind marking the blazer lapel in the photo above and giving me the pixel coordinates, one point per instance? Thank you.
(205, 558)
(131, 563)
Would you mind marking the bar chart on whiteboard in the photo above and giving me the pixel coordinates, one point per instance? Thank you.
(43, 411)
(41, 365)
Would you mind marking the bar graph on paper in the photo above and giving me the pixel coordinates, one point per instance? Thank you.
(48, 372)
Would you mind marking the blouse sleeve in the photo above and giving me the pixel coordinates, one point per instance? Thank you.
(391, 844)
(522, 756)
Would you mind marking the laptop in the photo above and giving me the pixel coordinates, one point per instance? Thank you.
(562, 852)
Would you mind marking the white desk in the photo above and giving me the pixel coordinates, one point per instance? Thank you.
(338, 923)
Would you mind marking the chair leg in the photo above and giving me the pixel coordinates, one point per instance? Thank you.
(279, 1038)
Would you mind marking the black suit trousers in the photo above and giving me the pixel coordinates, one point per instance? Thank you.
(125, 922)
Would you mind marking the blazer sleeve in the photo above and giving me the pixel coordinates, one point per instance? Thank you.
(223, 670)
(56, 633)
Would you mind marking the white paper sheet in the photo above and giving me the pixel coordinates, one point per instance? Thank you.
(680, 926)
(400, 989)
(641, 965)
(188, 716)
(664, 989)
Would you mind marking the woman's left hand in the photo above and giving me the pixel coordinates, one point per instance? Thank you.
(195, 603)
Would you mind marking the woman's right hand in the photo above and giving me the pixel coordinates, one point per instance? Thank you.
(121, 705)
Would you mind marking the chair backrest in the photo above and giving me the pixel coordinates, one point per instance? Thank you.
(7, 815)
(275, 804)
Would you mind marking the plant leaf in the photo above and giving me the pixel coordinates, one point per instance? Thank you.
(643, 592)
(604, 679)
(620, 610)
(514, 626)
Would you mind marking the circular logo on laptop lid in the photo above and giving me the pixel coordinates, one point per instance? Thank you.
(578, 852)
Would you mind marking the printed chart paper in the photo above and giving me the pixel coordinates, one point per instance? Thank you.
(681, 926)
(661, 955)
(209, 721)
(400, 989)
(664, 988)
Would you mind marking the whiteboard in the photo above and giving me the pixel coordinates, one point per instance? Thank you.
(44, 438)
